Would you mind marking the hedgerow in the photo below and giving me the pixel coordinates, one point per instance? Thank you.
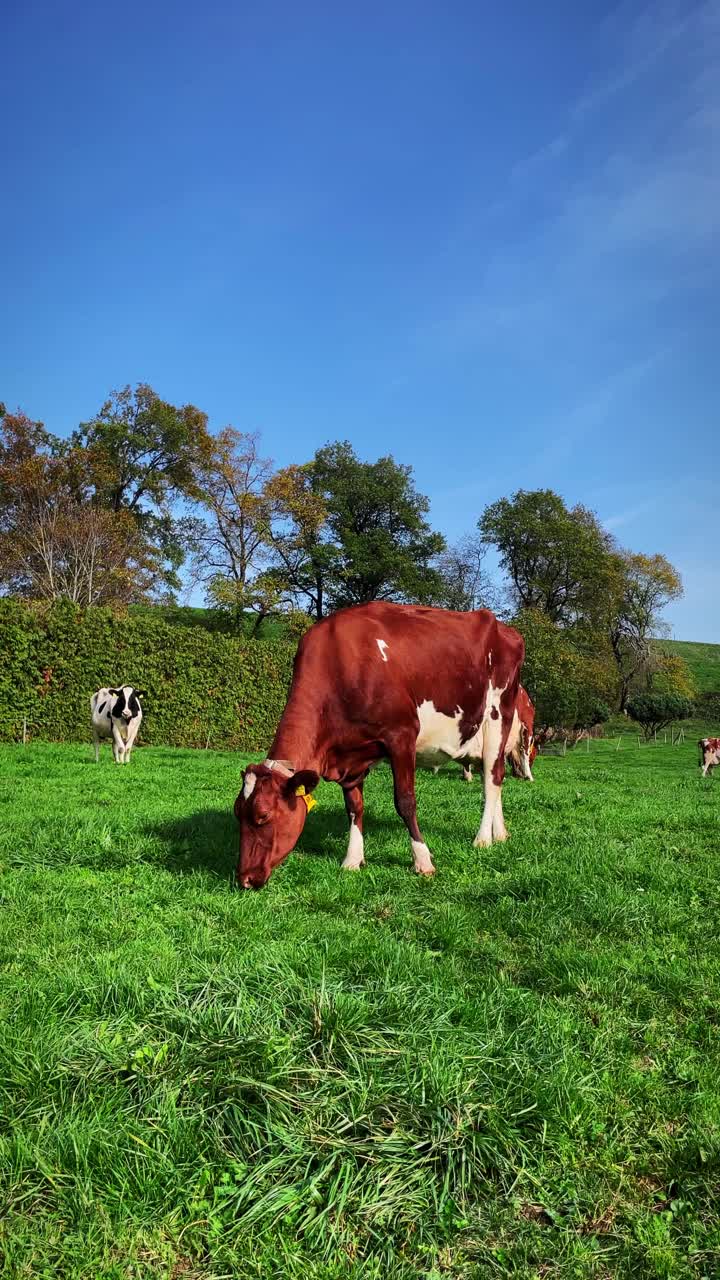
(200, 688)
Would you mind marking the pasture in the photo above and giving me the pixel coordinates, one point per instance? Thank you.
(510, 1070)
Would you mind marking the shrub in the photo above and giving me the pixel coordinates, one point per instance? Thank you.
(657, 710)
(708, 705)
(671, 675)
(201, 687)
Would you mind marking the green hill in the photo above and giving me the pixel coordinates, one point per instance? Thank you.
(702, 659)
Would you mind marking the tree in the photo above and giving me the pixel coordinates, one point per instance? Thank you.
(54, 544)
(231, 544)
(143, 453)
(465, 582)
(379, 545)
(302, 558)
(570, 689)
(558, 560)
(670, 674)
(646, 585)
(655, 711)
(80, 553)
(347, 532)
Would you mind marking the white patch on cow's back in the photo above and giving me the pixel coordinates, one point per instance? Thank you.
(249, 785)
(382, 646)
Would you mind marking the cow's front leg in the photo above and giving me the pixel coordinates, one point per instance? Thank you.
(118, 744)
(403, 767)
(355, 856)
(130, 740)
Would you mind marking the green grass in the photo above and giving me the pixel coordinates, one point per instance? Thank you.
(186, 615)
(511, 1070)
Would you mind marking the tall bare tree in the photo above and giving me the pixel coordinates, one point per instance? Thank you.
(646, 585)
(230, 484)
(466, 583)
(54, 543)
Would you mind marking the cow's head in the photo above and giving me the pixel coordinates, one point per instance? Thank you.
(127, 704)
(271, 810)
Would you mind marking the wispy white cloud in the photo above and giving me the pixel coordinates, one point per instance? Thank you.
(629, 516)
(622, 205)
(642, 39)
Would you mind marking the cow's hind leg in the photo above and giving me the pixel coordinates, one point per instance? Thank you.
(96, 741)
(403, 767)
(492, 826)
(355, 856)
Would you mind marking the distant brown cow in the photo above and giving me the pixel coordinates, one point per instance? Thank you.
(709, 754)
(382, 681)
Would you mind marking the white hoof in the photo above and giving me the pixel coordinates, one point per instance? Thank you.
(352, 864)
(423, 861)
(355, 856)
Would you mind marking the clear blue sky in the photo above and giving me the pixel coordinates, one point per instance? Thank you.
(481, 237)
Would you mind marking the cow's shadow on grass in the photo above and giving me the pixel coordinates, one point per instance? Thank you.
(207, 841)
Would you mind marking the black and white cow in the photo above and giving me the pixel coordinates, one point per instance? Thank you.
(116, 714)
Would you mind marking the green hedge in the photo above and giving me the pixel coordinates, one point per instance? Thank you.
(199, 686)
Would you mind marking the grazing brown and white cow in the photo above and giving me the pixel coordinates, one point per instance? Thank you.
(382, 681)
(709, 754)
(521, 749)
(116, 714)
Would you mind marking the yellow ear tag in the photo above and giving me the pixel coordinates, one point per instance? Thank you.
(310, 801)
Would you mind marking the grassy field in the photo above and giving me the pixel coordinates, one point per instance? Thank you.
(511, 1070)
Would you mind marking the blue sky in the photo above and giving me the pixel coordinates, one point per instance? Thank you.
(481, 237)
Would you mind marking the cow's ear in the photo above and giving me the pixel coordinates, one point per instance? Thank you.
(140, 693)
(115, 692)
(306, 778)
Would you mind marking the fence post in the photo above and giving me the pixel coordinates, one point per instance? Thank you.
(24, 730)
(618, 742)
(587, 744)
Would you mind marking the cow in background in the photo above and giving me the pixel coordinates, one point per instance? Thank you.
(709, 754)
(521, 748)
(404, 683)
(116, 714)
